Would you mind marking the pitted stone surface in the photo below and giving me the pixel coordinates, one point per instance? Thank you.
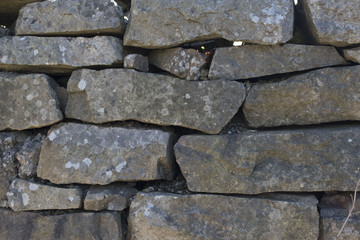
(124, 94)
(74, 17)
(27, 101)
(252, 61)
(27, 195)
(9, 10)
(90, 154)
(188, 217)
(324, 95)
(137, 62)
(352, 54)
(271, 161)
(166, 23)
(58, 54)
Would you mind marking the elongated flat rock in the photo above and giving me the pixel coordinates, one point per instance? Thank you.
(89, 154)
(307, 160)
(352, 54)
(325, 95)
(238, 62)
(58, 54)
(123, 94)
(270, 22)
(74, 17)
(171, 217)
(28, 101)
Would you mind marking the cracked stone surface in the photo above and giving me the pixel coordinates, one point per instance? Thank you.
(266, 22)
(307, 160)
(137, 62)
(352, 54)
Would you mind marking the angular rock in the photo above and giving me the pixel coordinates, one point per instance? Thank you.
(58, 54)
(74, 17)
(4, 32)
(306, 160)
(172, 216)
(252, 61)
(9, 10)
(114, 197)
(324, 95)
(165, 23)
(89, 154)
(28, 101)
(184, 63)
(27, 195)
(137, 62)
(124, 94)
(74, 226)
(352, 54)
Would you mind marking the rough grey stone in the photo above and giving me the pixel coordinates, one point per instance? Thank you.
(165, 23)
(89, 154)
(324, 95)
(184, 63)
(72, 226)
(9, 10)
(74, 17)
(124, 94)
(137, 62)
(27, 195)
(189, 217)
(4, 32)
(352, 54)
(58, 54)
(252, 61)
(28, 101)
(307, 160)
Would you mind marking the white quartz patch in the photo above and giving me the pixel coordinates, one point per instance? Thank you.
(25, 198)
(120, 166)
(52, 136)
(72, 165)
(82, 84)
(33, 187)
(87, 161)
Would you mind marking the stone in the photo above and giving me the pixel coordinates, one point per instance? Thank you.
(352, 54)
(324, 95)
(202, 216)
(9, 10)
(4, 32)
(305, 160)
(166, 23)
(28, 101)
(71, 18)
(137, 62)
(26, 195)
(333, 22)
(58, 55)
(90, 154)
(111, 197)
(125, 94)
(238, 62)
(72, 226)
(183, 63)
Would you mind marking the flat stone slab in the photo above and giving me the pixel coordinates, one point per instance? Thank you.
(74, 17)
(58, 54)
(26, 195)
(324, 95)
(171, 216)
(307, 160)
(238, 62)
(35, 226)
(28, 101)
(125, 94)
(270, 22)
(352, 54)
(90, 154)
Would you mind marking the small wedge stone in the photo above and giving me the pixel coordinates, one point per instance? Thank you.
(137, 62)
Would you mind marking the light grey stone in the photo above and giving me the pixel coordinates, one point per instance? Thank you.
(352, 54)
(137, 62)
(9, 10)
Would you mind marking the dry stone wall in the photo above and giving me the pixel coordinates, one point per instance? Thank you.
(193, 119)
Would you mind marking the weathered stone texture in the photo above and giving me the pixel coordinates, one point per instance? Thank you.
(352, 54)
(27, 195)
(165, 23)
(74, 17)
(58, 54)
(27, 101)
(72, 226)
(124, 94)
(185, 217)
(307, 160)
(324, 95)
(4, 32)
(252, 61)
(9, 10)
(137, 62)
(89, 154)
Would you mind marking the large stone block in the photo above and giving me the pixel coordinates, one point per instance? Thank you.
(166, 23)
(125, 94)
(252, 61)
(90, 154)
(324, 95)
(307, 160)
(58, 54)
(189, 217)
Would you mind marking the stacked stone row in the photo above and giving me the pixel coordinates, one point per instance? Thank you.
(74, 144)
